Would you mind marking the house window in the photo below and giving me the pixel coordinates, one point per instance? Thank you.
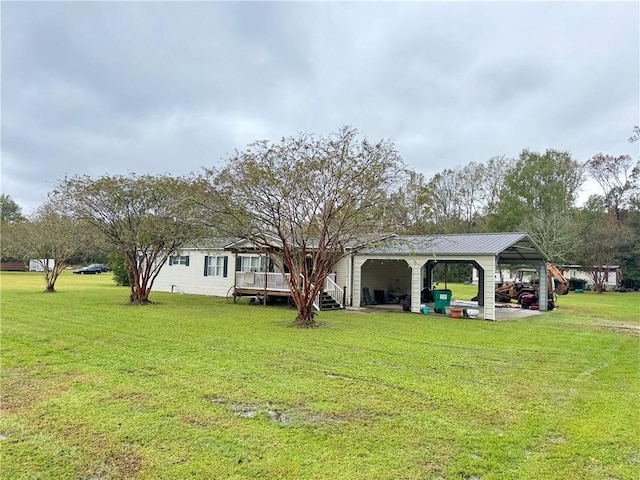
(215, 266)
(179, 260)
(251, 263)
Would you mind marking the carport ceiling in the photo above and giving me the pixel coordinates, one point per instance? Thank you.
(514, 248)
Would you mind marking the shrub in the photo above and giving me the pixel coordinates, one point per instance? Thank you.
(116, 262)
(576, 283)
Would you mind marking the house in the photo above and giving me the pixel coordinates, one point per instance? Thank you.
(399, 266)
(611, 274)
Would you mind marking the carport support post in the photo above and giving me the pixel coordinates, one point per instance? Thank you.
(542, 288)
(488, 291)
(416, 284)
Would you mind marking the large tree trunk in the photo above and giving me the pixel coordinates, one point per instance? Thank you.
(303, 294)
(139, 296)
(599, 280)
(51, 275)
(306, 316)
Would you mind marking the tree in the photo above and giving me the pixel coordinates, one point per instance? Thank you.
(546, 183)
(47, 235)
(618, 179)
(10, 211)
(556, 234)
(445, 201)
(493, 174)
(458, 200)
(406, 209)
(147, 218)
(471, 191)
(305, 201)
(604, 239)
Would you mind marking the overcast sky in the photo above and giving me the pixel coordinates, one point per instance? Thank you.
(157, 87)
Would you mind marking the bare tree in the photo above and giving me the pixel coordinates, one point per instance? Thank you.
(147, 218)
(555, 233)
(305, 201)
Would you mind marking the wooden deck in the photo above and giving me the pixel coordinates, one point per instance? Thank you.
(252, 292)
(265, 285)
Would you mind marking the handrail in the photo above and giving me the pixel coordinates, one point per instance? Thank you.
(334, 290)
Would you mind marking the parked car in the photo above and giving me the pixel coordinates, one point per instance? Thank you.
(93, 268)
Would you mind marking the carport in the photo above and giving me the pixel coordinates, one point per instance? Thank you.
(407, 261)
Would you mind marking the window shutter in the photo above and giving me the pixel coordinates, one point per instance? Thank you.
(270, 268)
(225, 266)
(170, 261)
(187, 264)
(310, 266)
(206, 265)
(238, 264)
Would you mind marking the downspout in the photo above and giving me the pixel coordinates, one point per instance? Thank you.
(351, 270)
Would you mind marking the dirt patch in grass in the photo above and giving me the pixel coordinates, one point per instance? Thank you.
(198, 421)
(626, 328)
(123, 463)
(21, 388)
(286, 415)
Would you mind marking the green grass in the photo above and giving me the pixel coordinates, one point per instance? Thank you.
(194, 387)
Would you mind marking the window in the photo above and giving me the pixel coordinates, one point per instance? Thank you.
(179, 260)
(215, 266)
(251, 264)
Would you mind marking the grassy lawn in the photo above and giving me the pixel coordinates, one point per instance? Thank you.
(194, 387)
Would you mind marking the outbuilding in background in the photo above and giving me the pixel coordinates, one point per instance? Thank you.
(38, 264)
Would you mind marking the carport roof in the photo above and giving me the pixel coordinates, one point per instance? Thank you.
(514, 247)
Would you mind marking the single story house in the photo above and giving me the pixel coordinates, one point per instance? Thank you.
(611, 274)
(400, 266)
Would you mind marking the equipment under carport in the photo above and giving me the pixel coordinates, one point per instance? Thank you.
(531, 301)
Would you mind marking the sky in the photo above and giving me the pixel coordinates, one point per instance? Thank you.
(105, 88)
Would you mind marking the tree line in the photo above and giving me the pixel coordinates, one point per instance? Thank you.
(309, 198)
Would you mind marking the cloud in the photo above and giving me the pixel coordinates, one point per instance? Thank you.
(113, 87)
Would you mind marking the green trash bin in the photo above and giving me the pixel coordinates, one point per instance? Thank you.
(441, 300)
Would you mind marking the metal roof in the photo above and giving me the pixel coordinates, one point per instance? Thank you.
(515, 247)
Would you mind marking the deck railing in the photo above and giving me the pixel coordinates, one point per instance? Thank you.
(262, 280)
(276, 281)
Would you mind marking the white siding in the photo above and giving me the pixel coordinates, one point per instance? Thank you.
(191, 279)
(341, 270)
(581, 274)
